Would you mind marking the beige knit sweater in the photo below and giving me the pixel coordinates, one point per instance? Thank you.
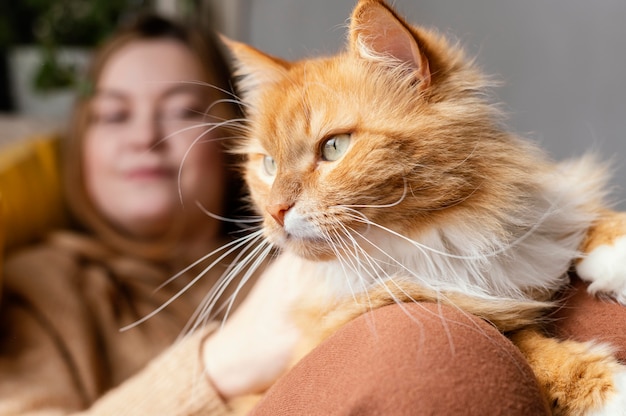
(61, 348)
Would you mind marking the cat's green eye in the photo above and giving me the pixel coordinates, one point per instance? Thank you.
(335, 147)
(269, 165)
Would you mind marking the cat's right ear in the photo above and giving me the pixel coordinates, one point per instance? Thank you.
(379, 34)
(254, 69)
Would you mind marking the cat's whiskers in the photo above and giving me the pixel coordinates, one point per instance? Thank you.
(450, 204)
(424, 248)
(360, 262)
(248, 250)
(441, 269)
(348, 259)
(376, 262)
(208, 85)
(382, 278)
(208, 128)
(227, 249)
(233, 124)
(244, 259)
(390, 205)
(477, 278)
(207, 310)
(434, 267)
(234, 98)
(232, 247)
(240, 125)
(360, 217)
(468, 156)
(213, 126)
(352, 258)
(235, 220)
(346, 262)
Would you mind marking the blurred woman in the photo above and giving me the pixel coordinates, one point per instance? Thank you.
(144, 160)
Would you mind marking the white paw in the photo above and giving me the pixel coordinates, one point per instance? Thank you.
(616, 403)
(605, 268)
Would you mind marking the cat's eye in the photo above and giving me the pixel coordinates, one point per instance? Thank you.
(269, 165)
(335, 147)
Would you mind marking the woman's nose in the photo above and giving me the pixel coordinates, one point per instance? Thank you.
(146, 131)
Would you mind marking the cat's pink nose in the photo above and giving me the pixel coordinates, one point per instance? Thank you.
(278, 211)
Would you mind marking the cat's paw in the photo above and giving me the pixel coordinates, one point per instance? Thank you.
(605, 268)
(615, 405)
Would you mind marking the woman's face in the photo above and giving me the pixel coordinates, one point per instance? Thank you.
(145, 161)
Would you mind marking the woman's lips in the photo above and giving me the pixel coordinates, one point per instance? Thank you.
(149, 173)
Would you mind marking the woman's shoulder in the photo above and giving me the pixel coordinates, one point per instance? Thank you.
(55, 260)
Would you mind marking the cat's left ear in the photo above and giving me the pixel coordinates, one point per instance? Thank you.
(378, 34)
(254, 69)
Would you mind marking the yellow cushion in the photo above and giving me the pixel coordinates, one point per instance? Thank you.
(1, 242)
(31, 200)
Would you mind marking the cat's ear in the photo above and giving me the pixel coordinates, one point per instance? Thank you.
(254, 69)
(378, 34)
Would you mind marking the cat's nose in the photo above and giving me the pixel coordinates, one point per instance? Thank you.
(278, 211)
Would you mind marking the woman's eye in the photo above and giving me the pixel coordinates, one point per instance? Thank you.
(269, 165)
(335, 147)
(114, 117)
(183, 113)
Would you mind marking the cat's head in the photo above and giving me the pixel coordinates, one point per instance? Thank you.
(395, 131)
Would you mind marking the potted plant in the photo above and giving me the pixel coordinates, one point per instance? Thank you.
(50, 46)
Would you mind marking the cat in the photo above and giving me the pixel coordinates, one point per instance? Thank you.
(386, 174)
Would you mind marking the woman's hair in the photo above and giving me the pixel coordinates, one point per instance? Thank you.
(217, 75)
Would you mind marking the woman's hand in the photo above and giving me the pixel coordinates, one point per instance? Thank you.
(257, 343)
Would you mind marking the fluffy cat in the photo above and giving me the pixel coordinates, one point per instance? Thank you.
(385, 174)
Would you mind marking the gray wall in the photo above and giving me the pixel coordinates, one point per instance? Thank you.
(562, 62)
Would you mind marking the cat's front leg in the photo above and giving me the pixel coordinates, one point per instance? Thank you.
(604, 260)
(578, 378)
(255, 345)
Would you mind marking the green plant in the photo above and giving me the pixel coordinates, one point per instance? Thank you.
(52, 24)
(78, 23)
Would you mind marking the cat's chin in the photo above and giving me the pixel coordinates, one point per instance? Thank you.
(309, 250)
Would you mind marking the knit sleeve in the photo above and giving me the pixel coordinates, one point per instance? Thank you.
(173, 384)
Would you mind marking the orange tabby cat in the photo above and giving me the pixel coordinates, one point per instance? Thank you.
(385, 174)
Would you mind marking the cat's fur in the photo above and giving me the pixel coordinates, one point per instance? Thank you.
(431, 199)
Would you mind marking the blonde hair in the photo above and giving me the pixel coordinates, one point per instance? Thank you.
(217, 74)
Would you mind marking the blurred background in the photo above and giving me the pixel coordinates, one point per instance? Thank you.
(562, 63)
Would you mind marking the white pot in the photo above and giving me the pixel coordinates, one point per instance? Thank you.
(23, 64)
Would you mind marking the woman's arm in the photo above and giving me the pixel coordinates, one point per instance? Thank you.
(173, 384)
